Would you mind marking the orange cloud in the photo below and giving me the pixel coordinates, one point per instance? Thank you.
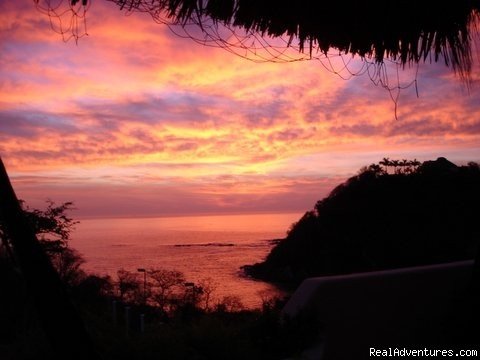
(132, 105)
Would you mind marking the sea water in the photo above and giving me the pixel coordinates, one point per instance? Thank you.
(202, 247)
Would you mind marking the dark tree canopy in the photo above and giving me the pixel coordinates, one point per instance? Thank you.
(63, 327)
(388, 216)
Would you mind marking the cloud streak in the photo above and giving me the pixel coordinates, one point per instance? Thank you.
(134, 109)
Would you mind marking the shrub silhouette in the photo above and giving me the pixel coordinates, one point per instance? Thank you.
(383, 218)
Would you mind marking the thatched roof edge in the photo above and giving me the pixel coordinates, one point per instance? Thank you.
(408, 31)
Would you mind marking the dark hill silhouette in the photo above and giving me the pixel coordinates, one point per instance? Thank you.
(394, 214)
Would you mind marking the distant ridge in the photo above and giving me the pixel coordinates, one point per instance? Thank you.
(393, 214)
(206, 244)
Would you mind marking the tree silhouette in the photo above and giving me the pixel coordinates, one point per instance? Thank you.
(63, 326)
(395, 164)
(380, 221)
(53, 227)
(167, 286)
(129, 287)
(386, 163)
(208, 286)
(376, 169)
(67, 262)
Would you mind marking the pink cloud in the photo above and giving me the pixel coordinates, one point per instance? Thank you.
(134, 105)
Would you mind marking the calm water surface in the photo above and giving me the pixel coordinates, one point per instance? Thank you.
(201, 247)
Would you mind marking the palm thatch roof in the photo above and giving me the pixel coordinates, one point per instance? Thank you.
(408, 31)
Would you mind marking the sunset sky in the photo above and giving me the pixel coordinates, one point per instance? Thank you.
(133, 120)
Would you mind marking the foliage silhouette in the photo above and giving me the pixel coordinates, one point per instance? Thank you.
(167, 287)
(183, 324)
(53, 227)
(392, 214)
(61, 324)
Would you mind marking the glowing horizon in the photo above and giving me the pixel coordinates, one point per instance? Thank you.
(133, 121)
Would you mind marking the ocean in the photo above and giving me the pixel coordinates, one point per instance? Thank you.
(202, 247)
